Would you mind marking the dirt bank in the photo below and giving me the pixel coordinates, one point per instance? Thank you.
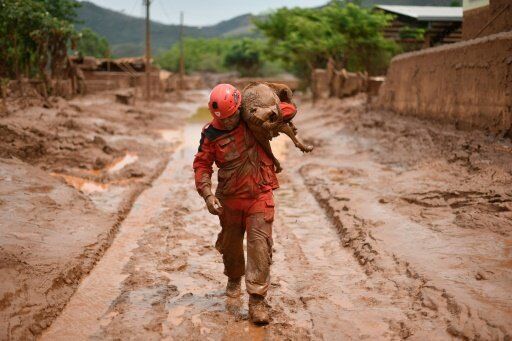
(69, 173)
(424, 205)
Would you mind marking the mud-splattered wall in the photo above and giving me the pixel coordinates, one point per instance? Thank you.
(467, 83)
(491, 19)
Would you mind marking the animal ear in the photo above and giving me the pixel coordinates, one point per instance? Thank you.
(282, 91)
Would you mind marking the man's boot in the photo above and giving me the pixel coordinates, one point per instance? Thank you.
(258, 309)
(233, 287)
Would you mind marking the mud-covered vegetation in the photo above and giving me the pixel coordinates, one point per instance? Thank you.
(33, 35)
(36, 37)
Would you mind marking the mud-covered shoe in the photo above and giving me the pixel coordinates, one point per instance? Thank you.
(233, 288)
(258, 310)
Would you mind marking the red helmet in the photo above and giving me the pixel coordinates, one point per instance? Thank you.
(225, 99)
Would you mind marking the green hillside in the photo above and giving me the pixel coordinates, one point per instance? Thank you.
(126, 33)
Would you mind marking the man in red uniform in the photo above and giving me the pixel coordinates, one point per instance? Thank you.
(243, 199)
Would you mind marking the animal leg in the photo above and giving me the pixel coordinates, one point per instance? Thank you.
(293, 127)
(289, 130)
(277, 164)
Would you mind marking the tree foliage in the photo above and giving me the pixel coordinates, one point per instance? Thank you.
(221, 55)
(245, 56)
(92, 44)
(200, 55)
(345, 33)
(415, 33)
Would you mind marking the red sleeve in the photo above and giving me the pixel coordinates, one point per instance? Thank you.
(289, 110)
(203, 169)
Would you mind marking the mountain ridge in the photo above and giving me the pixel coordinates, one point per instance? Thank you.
(129, 41)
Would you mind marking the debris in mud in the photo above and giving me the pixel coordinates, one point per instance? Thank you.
(126, 98)
(480, 277)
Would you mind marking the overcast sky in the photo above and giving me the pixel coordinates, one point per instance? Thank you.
(201, 12)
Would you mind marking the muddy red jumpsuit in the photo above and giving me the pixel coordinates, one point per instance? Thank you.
(246, 179)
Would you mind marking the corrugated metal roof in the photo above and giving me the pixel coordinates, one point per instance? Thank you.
(426, 13)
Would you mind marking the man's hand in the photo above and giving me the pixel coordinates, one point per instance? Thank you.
(213, 205)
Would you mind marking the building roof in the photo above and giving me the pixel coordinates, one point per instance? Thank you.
(425, 13)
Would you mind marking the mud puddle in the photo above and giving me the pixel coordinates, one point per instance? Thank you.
(88, 186)
(81, 184)
(415, 213)
(122, 162)
(75, 172)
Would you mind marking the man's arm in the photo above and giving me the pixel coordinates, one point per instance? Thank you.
(203, 170)
(203, 167)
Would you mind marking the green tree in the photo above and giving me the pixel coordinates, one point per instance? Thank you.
(92, 44)
(307, 38)
(295, 37)
(362, 29)
(200, 55)
(61, 9)
(17, 20)
(245, 56)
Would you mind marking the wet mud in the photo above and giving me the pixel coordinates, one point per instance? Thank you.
(348, 261)
(393, 228)
(69, 174)
(425, 205)
(171, 286)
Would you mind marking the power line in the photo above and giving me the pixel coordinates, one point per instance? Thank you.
(164, 11)
(133, 6)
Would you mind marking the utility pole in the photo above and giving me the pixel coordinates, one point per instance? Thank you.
(182, 57)
(148, 51)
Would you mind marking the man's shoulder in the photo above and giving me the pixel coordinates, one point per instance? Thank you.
(212, 133)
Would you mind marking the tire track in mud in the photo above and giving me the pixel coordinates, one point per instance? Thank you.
(433, 306)
(80, 317)
(406, 209)
(324, 278)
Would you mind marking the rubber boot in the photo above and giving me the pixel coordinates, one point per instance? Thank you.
(233, 287)
(258, 309)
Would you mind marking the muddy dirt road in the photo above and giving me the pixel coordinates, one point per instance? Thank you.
(69, 173)
(162, 278)
(368, 244)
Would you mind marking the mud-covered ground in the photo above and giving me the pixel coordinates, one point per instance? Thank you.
(69, 173)
(424, 205)
(393, 228)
